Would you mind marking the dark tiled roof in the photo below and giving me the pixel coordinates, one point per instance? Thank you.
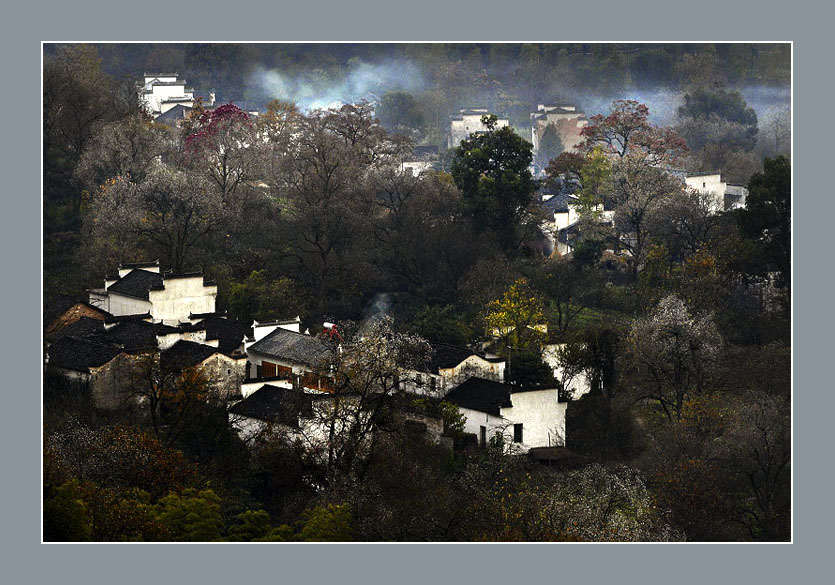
(84, 327)
(447, 356)
(139, 264)
(481, 395)
(274, 404)
(136, 283)
(132, 335)
(229, 333)
(123, 318)
(186, 354)
(80, 354)
(291, 346)
(558, 203)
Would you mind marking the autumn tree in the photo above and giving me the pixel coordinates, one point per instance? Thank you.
(639, 192)
(77, 96)
(517, 317)
(223, 148)
(170, 391)
(326, 205)
(626, 132)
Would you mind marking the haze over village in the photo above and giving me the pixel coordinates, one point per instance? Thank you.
(417, 292)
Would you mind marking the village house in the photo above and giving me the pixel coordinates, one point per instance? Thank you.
(420, 160)
(448, 366)
(565, 228)
(310, 418)
(279, 352)
(97, 372)
(525, 417)
(566, 120)
(168, 298)
(468, 122)
(76, 311)
(724, 196)
(224, 373)
(159, 92)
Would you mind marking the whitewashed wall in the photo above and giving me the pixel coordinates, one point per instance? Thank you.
(123, 305)
(712, 185)
(542, 417)
(180, 297)
(461, 129)
(476, 419)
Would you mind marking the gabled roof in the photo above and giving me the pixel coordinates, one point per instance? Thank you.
(229, 333)
(84, 327)
(559, 202)
(80, 354)
(481, 395)
(291, 346)
(137, 283)
(132, 335)
(122, 318)
(186, 354)
(275, 404)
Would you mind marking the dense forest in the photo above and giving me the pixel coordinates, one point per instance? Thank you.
(679, 316)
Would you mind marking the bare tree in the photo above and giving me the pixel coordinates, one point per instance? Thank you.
(672, 355)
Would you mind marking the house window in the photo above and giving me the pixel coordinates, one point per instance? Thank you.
(433, 383)
(704, 185)
(482, 436)
(419, 380)
(267, 369)
(517, 433)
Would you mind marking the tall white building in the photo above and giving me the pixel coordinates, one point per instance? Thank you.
(162, 91)
(724, 195)
(467, 122)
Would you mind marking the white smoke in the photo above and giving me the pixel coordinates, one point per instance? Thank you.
(318, 89)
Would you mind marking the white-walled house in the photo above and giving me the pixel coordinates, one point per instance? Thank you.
(467, 122)
(162, 91)
(448, 366)
(285, 354)
(309, 417)
(566, 119)
(525, 417)
(565, 208)
(421, 160)
(724, 196)
(168, 298)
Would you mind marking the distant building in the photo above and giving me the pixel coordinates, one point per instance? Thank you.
(162, 91)
(468, 122)
(725, 196)
(422, 159)
(567, 120)
(565, 229)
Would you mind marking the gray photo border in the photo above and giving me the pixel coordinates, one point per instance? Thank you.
(27, 560)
